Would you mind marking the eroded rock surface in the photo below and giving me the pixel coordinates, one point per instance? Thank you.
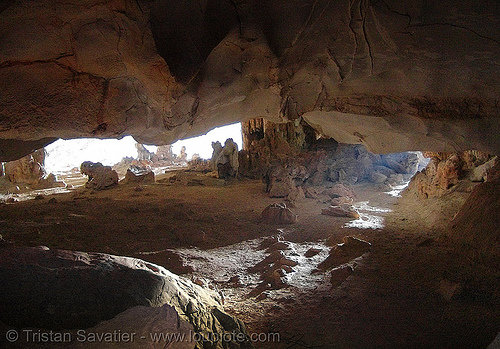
(278, 213)
(137, 328)
(137, 174)
(57, 289)
(100, 177)
(393, 75)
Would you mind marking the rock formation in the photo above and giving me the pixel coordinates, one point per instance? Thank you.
(291, 159)
(29, 169)
(278, 214)
(449, 171)
(133, 333)
(392, 75)
(56, 289)
(226, 158)
(142, 152)
(137, 174)
(100, 177)
(350, 248)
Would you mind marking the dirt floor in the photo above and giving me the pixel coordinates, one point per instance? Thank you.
(412, 290)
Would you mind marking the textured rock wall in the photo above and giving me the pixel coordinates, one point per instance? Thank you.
(393, 75)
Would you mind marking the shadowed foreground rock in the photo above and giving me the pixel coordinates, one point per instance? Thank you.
(350, 248)
(58, 289)
(144, 333)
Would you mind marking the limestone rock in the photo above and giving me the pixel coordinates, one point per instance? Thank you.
(128, 67)
(136, 174)
(480, 173)
(338, 275)
(296, 195)
(340, 211)
(100, 177)
(57, 289)
(377, 178)
(342, 200)
(339, 190)
(281, 188)
(349, 249)
(142, 323)
(217, 149)
(142, 152)
(28, 170)
(312, 252)
(227, 159)
(446, 170)
(278, 213)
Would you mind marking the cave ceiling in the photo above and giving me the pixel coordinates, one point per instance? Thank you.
(394, 75)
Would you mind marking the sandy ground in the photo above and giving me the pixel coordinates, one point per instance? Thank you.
(211, 231)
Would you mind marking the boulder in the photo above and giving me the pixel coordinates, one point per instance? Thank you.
(136, 328)
(340, 274)
(100, 177)
(227, 161)
(342, 200)
(340, 211)
(278, 213)
(297, 194)
(312, 252)
(57, 289)
(377, 177)
(349, 249)
(480, 173)
(281, 188)
(404, 163)
(27, 170)
(137, 174)
(339, 190)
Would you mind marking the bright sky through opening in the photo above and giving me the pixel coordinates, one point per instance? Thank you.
(63, 155)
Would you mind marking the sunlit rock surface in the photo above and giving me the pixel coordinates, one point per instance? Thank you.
(394, 75)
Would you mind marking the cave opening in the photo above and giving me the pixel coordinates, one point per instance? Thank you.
(320, 228)
(279, 215)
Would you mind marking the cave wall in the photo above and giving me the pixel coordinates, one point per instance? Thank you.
(393, 75)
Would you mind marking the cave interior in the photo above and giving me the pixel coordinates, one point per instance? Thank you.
(358, 208)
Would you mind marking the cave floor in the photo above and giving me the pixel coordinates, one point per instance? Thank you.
(211, 232)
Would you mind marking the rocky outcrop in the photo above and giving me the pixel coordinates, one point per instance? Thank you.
(450, 171)
(475, 228)
(225, 159)
(100, 177)
(291, 160)
(126, 330)
(394, 76)
(56, 289)
(350, 248)
(28, 170)
(143, 153)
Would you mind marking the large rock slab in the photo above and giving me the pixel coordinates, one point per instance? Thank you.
(58, 289)
(139, 327)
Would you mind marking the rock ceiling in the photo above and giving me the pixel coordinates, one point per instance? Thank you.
(394, 75)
